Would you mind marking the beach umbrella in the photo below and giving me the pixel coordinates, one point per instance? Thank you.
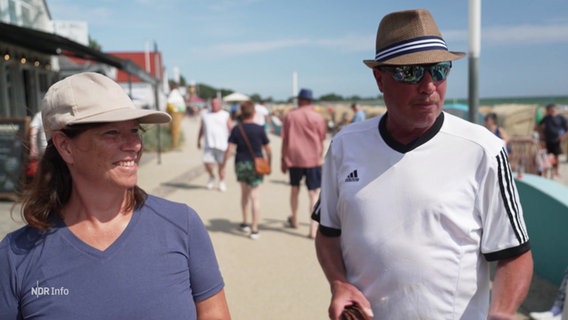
(236, 97)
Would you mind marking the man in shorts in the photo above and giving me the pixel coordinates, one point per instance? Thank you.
(215, 127)
(303, 133)
(554, 129)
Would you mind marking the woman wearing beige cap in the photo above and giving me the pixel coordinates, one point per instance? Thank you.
(96, 245)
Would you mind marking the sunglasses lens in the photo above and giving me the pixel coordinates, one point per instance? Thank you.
(440, 71)
(413, 74)
(408, 74)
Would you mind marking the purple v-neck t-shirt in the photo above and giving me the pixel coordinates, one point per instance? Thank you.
(158, 268)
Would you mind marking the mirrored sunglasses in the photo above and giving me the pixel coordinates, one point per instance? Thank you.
(413, 74)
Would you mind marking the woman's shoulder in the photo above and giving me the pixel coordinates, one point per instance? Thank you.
(21, 241)
(253, 126)
(177, 213)
(159, 204)
(249, 127)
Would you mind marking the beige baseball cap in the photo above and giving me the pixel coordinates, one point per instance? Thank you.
(91, 97)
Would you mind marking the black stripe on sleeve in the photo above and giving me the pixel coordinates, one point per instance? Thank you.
(316, 213)
(330, 232)
(508, 253)
(316, 216)
(508, 194)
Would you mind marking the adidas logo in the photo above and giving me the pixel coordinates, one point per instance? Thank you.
(352, 177)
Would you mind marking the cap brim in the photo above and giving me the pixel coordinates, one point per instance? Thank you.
(125, 114)
(423, 57)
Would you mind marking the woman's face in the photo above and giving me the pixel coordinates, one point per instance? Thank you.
(105, 156)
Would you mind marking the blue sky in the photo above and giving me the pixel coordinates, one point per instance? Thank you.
(254, 46)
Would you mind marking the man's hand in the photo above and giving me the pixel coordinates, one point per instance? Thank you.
(344, 294)
(283, 166)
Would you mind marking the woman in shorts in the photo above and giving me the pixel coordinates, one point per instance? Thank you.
(244, 165)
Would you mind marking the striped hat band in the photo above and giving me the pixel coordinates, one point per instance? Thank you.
(411, 46)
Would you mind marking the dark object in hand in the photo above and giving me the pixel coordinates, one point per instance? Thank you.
(354, 312)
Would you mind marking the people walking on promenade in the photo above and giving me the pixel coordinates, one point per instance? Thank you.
(416, 202)
(492, 124)
(554, 129)
(96, 246)
(248, 179)
(262, 116)
(358, 113)
(303, 134)
(215, 126)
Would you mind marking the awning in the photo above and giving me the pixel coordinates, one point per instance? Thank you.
(53, 44)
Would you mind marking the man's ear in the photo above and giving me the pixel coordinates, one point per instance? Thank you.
(378, 78)
(63, 146)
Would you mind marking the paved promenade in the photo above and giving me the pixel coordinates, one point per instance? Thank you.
(274, 277)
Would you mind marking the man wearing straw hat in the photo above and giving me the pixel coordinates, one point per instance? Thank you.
(416, 203)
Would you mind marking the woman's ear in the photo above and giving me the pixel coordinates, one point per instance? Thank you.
(63, 146)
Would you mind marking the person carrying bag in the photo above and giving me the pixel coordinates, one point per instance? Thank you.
(250, 169)
(261, 165)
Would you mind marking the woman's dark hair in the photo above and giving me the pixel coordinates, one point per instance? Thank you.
(51, 186)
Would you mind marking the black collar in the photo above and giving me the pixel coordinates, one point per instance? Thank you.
(403, 148)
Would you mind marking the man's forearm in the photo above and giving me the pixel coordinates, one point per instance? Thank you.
(510, 285)
(328, 251)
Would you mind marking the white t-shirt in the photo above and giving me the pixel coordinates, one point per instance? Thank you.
(418, 224)
(260, 114)
(216, 130)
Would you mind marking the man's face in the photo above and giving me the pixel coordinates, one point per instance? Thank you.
(551, 111)
(215, 105)
(411, 107)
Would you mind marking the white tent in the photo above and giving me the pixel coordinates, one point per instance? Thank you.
(236, 97)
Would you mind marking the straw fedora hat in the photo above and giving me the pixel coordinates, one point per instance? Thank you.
(410, 37)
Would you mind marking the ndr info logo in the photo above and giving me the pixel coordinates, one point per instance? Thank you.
(48, 291)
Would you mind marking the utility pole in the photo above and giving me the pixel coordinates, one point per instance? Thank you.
(158, 71)
(294, 88)
(474, 49)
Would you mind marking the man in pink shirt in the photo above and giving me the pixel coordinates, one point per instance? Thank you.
(303, 134)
